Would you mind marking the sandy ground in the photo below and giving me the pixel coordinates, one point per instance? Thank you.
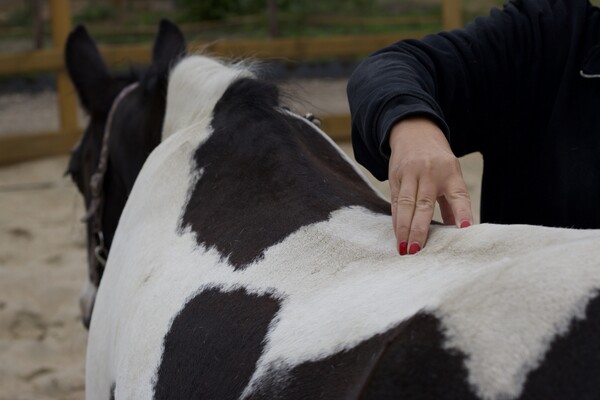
(42, 256)
(42, 267)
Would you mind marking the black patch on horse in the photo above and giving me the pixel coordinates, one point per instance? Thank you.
(213, 345)
(415, 365)
(265, 175)
(340, 376)
(571, 368)
(406, 362)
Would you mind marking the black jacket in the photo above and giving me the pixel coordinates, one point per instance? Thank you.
(521, 86)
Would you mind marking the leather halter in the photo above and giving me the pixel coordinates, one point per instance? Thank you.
(95, 210)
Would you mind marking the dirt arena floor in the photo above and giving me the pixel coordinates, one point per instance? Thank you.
(42, 256)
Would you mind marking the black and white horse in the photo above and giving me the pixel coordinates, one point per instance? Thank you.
(253, 261)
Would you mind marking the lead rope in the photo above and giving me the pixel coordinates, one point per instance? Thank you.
(94, 211)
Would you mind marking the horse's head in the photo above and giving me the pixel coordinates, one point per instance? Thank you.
(126, 114)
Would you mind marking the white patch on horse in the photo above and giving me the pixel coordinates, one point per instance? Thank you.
(506, 321)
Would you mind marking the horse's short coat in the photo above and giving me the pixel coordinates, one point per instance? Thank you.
(253, 261)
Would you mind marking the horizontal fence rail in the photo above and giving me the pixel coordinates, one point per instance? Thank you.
(16, 148)
(21, 147)
(106, 30)
(283, 49)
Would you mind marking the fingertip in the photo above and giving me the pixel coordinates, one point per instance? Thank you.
(403, 248)
(414, 248)
(465, 224)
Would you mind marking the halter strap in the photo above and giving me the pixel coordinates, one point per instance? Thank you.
(95, 209)
(589, 76)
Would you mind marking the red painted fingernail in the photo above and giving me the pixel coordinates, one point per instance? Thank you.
(465, 224)
(414, 248)
(402, 248)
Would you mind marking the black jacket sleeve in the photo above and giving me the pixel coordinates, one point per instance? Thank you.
(463, 80)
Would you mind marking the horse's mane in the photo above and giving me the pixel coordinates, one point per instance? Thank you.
(196, 84)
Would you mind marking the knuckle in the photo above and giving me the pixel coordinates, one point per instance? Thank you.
(403, 228)
(418, 231)
(395, 173)
(448, 158)
(405, 200)
(445, 163)
(419, 164)
(463, 211)
(453, 162)
(450, 164)
(425, 203)
(458, 194)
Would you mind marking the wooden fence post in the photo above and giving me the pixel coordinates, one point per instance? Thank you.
(67, 99)
(451, 14)
(37, 23)
(272, 18)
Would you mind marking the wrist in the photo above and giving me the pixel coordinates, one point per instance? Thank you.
(416, 130)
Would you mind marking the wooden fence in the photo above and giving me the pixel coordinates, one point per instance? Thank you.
(22, 147)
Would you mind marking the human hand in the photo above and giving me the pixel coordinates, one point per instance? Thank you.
(423, 169)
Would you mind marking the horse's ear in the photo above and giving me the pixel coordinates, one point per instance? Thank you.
(86, 67)
(169, 47)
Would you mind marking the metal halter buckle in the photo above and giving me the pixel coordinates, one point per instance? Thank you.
(316, 121)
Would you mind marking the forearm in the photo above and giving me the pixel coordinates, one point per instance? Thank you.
(463, 81)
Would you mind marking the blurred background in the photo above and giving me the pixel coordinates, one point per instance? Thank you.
(26, 23)
(308, 47)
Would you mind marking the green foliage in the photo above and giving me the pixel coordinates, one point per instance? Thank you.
(249, 19)
(95, 12)
(20, 17)
(353, 7)
(195, 10)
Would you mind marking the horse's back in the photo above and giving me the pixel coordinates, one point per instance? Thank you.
(334, 307)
